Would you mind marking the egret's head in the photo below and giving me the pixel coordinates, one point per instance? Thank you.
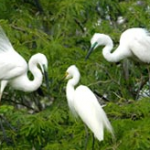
(42, 61)
(96, 40)
(72, 71)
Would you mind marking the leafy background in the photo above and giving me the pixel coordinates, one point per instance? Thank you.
(62, 30)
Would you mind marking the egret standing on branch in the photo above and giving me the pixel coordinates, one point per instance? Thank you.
(83, 103)
(134, 43)
(14, 68)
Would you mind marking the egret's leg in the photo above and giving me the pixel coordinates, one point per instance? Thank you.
(2, 128)
(93, 141)
(86, 137)
(126, 69)
(148, 78)
(3, 85)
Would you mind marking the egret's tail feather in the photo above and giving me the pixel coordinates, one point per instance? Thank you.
(108, 126)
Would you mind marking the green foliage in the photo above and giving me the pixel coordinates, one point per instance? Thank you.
(54, 127)
(62, 30)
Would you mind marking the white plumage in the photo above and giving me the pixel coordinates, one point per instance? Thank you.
(134, 43)
(82, 102)
(13, 67)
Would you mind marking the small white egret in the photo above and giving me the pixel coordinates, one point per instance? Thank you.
(14, 68)
(83, 103)
(134, 43)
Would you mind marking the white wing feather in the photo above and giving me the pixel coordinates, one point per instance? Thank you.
(5, 44)
(91, 112)
(11, 63)
(138, 42)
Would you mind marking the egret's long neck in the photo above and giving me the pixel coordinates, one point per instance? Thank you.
(107, 49)
(70, 89)
(111, 57)
(24, 83)
(74, 81)
(37, 78)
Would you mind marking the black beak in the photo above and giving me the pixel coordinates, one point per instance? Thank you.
(89, 53)
(90, 50)
(46, 76)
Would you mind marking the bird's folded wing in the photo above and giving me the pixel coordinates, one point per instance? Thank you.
(11, 65)
(5, 44)
(87, 106)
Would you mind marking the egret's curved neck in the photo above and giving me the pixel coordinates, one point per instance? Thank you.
(107, 49)
(117, 55)
(37, 76)
(70, 89)
(74, 81)
(24, 83)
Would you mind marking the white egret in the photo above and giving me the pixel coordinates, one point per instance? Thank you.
(134, 43)
(83, 103)
(14, 68)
